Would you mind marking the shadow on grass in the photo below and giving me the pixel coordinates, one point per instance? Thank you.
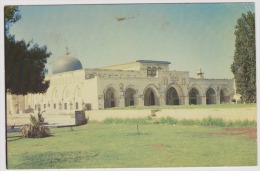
(18, 137)
(48, 160)
(14, 138)
(137, 134)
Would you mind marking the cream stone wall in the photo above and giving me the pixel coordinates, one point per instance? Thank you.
(217, 85)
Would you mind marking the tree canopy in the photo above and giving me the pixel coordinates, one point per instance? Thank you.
(24, 62)
(244, 64)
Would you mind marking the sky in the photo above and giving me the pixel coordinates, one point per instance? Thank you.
(190, 36)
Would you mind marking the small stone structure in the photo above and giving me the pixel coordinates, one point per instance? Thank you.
(80, 118)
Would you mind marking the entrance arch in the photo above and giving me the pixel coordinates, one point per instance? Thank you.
(110, 98)
(129, 97)
(210, 96)
(172, 97)
(150, 98)
(224, 95)
(194, 97)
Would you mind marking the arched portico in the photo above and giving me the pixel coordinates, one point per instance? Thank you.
(130, 97)
(194, 96)
(224, 95)
(110, 99)
(150, 97)
(210, 96)
(172, 97)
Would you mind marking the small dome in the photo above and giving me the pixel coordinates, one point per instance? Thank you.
(65, 64)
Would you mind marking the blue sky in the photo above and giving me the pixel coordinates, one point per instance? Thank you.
(190, 36)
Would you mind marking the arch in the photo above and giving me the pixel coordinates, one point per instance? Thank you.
(151, 95)
(110, 98)
(224, 95)
(64, 92)
(210, 96)
(174, 92)
(77, 92)
(130, 97)
(194, 96)
(77, 98)
(54, 94)
(172, 97)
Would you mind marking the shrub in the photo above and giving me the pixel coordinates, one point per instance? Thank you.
(34, 129)
(209, 121)
(168, 120)
(40, 117)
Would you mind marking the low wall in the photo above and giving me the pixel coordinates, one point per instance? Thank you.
(233, 114)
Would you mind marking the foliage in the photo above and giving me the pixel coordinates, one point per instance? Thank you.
(37, 131)
(40, 117)
(244, 65)
(11, 15)
(209, 121)
(34, 129)
(24, 62)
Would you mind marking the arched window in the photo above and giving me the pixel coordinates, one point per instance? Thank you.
(154, 72)
(151, 72)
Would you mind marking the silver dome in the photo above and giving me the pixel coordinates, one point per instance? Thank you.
(65, 64)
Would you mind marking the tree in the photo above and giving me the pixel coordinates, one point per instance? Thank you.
(244, 64)
(12, 15)
(24, 62)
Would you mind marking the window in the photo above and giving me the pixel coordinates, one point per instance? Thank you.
(151, 72)
(54, 105)
(44, 106)
(65, 106)
(77, 105)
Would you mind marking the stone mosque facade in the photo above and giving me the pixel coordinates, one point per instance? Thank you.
(140, 83)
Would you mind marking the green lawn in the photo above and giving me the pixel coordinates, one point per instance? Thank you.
(99, 145)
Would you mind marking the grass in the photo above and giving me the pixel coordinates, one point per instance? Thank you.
(121, 145)
(209, 121)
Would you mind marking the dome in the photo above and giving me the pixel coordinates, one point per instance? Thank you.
(65, 64)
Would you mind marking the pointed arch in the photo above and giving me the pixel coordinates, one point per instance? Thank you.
(110, 97)
(210, 96)
(194, 96)
(172, 97)
(224, 95)
(174, 94)
(64, 92)
(151, 95)
(130, 97)
(54, 94)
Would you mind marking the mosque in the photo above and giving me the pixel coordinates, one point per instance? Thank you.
(140, 83)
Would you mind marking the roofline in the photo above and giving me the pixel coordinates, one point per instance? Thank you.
(155, 62)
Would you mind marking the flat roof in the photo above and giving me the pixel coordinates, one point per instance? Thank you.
(155, 62)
